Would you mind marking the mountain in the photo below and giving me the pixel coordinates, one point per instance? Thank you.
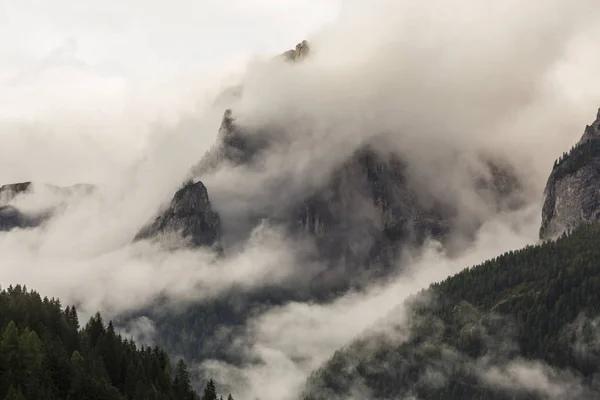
(301, 51)
(352, 227)
(45, 355)
(189, 215)
(573, 188)
(519, 326)
(361, 219)
(366, 214)
(12, 217)
(10, 191)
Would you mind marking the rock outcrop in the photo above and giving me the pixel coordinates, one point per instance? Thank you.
(367, 213)
(11, 218)
(10, 191)
(189, 216)
(299, 53)
(573, 188)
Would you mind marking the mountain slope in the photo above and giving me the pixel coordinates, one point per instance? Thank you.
(359, 220)
(478, 334)
(189, 215)
(45, 355)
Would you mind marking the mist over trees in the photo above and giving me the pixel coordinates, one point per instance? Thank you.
(46, 355)
(482, 332)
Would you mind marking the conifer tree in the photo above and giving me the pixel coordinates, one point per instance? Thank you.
(210, 391)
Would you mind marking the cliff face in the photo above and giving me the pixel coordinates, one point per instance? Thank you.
(300, 52)
(367, 213)
(573, 188)
(189, 215)
(361, 219)
(11, 218)
(10, 191)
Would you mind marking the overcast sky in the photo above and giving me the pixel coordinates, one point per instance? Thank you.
(93, 76)
(149, 36)
(86, 80)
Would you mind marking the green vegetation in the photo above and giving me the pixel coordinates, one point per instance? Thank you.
(522, 306)
(44, 355)
(577, 157)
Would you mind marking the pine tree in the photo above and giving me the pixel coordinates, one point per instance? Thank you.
(14, 394)
(210, 391)
(73, 318)
(9, 348)
(182, 383)
(43, 356)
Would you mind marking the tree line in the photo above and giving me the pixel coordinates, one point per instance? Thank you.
(46, 355)
(539, 303)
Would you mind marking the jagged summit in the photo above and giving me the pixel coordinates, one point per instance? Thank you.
(301, 51)
(368, 211)
(592, 131)
(189, 215)
(9, 191)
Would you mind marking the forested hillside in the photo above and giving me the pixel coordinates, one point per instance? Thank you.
(490, 332)
(44, 355)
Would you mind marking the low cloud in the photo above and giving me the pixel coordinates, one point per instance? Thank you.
(443, 86)
(291, 341)
(141, 330)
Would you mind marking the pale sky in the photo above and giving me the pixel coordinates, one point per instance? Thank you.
(84, 81)
(150, 36)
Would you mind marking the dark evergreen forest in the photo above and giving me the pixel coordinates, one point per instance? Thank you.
(531, 304)
(45, 355)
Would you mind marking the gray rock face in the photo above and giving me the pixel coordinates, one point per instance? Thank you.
(9, 191)
(592, 131)
(189, 215)
(301, 51)
(573, 188)
(367, 212)
(370, 211)
(11, 218)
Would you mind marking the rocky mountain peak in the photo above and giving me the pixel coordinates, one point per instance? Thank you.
(189, 215)
(592, 131)
(573, 188)
(9, 191)
(299, 53)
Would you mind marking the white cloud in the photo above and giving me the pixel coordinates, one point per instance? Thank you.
(126, 106)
